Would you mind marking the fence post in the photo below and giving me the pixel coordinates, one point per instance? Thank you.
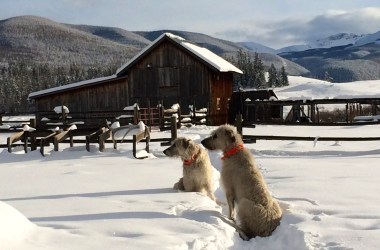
(173, 127)
(239, 124)
(32, 122)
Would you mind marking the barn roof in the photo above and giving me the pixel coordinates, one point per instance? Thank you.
(205, 55)
(63, 88)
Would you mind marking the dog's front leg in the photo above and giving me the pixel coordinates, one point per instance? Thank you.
(231, 206)
(179, 185)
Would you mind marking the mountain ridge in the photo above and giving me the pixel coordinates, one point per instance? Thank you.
(41, 40)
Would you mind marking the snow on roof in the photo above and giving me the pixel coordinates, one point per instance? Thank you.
(213, 59)
(69, 86)
(206, 55)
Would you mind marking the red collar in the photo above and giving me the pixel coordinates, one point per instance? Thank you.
(189, 162)
(232, 151)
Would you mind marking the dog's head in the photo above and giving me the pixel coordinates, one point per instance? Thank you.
(181, 147)
(222, 138)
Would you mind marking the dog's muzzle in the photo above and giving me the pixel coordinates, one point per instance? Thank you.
(207, 143)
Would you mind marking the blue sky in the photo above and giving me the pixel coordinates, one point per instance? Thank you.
(274, 23)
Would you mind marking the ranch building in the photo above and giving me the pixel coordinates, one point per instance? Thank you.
(168, 71)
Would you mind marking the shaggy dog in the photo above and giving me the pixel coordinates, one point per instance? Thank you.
(257, 212)
(197, 170)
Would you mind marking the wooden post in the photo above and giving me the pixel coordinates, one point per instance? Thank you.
(1, 119)
(63, 115)
(312, 112)
(136, 114)
(239, 124)
(373, 109)
(32, 122)
(173, 127)
(179, 117)
(347, 115)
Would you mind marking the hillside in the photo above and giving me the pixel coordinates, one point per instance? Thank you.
(39, 40)
(341, 63)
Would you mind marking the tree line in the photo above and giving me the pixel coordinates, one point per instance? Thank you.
(254, 73)
(18, 80)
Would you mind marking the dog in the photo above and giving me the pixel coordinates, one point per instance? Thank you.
(197, 169)
(258, 213)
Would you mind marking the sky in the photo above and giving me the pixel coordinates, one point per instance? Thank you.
(274, 23)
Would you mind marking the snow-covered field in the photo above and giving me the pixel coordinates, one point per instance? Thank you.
(74, 199)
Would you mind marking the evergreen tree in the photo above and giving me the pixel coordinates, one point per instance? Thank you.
(258, 73)
(272, 76)
(283, 77)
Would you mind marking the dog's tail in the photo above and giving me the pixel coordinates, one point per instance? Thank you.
(233, 224)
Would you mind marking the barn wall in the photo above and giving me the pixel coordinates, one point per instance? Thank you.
(112, 95)
(171, 75)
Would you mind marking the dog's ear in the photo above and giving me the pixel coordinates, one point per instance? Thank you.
(186, 143)
(230, 135)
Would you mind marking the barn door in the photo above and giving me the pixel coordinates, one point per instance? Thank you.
(221, 91)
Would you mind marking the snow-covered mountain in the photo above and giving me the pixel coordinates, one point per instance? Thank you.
(340, 39)
(370, 38)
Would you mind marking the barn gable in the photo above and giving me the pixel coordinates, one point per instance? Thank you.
(208, 57)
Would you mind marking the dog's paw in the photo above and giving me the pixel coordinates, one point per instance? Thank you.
(179, 186)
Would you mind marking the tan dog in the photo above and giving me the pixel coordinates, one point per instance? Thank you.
(258, 213)
(197, 169)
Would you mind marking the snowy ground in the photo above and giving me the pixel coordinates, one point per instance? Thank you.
(74, 199)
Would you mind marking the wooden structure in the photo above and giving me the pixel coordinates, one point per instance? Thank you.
(311, 112)
(240, 99)
(170, 70)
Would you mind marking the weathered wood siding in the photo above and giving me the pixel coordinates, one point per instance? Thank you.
(112, 95)
(172, 75)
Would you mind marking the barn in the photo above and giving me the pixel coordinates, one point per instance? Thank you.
(170, 70)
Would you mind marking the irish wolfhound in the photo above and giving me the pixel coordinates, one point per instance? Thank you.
(197, 169)
(257, 212)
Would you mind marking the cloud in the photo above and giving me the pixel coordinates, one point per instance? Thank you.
(292, 31)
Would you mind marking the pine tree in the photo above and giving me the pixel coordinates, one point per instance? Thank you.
(272, 77)
(283, 78)
(259, 74)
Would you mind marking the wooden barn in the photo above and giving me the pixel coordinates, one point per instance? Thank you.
(170, 70)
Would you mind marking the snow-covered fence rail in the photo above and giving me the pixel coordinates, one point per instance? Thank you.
(45, 141)
(94, 137)
(19, 136)
(15, 122)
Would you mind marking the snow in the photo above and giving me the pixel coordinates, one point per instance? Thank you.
(210, 57)
(341, 39)
(74, 199)
(60, 109)
(302, 88)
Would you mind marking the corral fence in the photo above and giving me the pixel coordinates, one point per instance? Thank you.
(313, 112)
(248, 138)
